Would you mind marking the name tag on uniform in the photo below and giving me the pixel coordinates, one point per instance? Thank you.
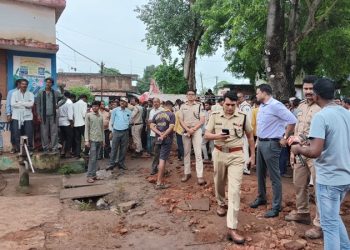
(217, 123)
(239, 125)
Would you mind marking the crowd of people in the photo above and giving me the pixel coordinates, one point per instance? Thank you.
(236, 134)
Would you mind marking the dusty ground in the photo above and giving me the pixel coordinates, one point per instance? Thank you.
(38, 220)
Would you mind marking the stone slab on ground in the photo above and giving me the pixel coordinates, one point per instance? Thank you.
(9, 162)
(46, 161)
(202, 204)
(78, 180)
(85, 192)
(15, 216)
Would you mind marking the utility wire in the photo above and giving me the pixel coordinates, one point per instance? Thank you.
(81, 54)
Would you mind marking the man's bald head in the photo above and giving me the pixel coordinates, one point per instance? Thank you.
(156, 102)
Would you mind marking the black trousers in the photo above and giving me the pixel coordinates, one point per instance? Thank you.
(66, 138)
(25, 129)
(78, 133)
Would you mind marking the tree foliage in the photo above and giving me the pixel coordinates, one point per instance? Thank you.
(315, 36)
(219, 85)
(173, 24)
(110, 72)
(169, 77)
(81, 90)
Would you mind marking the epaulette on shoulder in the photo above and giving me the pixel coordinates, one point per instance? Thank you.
(215, 112)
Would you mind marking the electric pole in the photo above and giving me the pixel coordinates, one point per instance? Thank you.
(102, 68)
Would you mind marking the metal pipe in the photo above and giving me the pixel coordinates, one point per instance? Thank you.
(28, 156)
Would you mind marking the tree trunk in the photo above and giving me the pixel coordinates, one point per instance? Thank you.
(190, 64)
(274, 56)
(291, 48)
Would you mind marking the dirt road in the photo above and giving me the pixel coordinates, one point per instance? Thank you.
(40, 221)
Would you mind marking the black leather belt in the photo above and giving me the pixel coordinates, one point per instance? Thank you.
(269, 139)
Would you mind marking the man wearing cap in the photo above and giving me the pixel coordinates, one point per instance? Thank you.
(120, 121)
(192, 118)
(47, 108)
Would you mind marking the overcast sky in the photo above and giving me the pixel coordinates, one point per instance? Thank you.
(109, 31)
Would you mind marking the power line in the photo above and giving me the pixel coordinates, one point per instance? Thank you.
(81, 54)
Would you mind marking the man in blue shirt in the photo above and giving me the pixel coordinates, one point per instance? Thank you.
(330, 145)
(273, 117)
(120, 120)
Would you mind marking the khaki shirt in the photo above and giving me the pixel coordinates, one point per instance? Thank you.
(191, 114)
(236, 124)
(136, 116)
(304, 116)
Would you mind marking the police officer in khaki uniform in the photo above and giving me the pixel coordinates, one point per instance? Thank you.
(303, 171)
(228, 158)
(192, 117)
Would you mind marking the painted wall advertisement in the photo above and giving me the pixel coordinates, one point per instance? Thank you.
(34, 69)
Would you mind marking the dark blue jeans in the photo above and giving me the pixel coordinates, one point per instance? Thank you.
(329, 199)
(25, 129)
(283, 161)
(180, 146)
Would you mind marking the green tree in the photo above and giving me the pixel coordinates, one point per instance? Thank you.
(169, 78)
(81, 90)
(110, 72)
(278, 38)
(219, 85)
(143, 84)
(173, 24)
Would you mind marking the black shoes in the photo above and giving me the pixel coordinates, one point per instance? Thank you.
(271, 213)
(257, 203)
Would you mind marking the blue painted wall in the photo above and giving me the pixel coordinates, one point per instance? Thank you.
(12, 53)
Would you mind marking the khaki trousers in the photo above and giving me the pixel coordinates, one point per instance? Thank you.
(228, 167)
(136, 131)
(246, 150)
(301, 180)
(196, 140)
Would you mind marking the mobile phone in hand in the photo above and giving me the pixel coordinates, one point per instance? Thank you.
(225, 132)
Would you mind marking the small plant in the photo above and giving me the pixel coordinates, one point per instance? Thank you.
(71, 168)
(85, 206)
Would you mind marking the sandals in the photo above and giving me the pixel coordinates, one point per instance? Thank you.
(90, 180)
(161, 186)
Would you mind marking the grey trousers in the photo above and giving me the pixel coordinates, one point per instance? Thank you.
(95, 148)
(268, 154)
(49, 133)
(120, 143)
(156, 156)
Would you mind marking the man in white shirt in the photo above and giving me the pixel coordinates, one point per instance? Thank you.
(155, 110)
(65, 123)
(79, 111)
(22, 102)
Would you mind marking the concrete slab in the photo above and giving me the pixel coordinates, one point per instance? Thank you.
(78, 180)
(46, 161)
(199, 204)
(85, 192)
(202, 204)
